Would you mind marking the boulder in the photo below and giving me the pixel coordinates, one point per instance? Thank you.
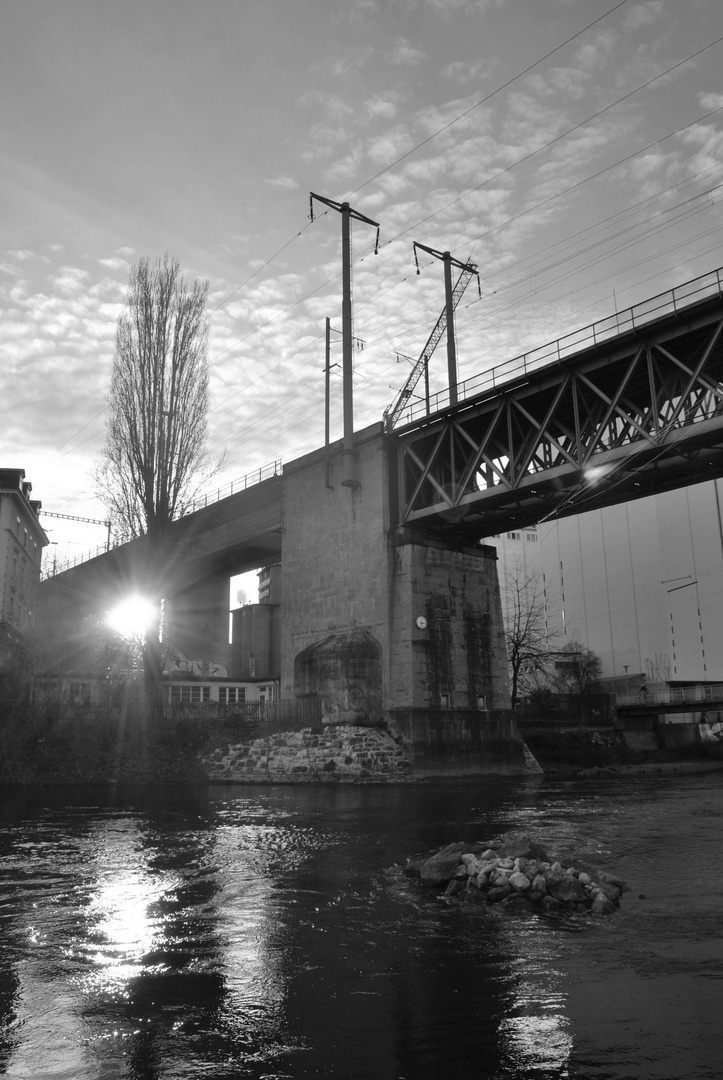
(549, 903)
(499, 892)
(413, 865)
(539, 884)
(520, 845)
(612, 879)
(601, 905)
(488, 867)
(519, 881)
(610, 891)
(515, 900)
(568, 890)
(442, 866)
(553, 876)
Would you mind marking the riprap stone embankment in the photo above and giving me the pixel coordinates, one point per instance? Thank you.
(516, 872)
(343, 754)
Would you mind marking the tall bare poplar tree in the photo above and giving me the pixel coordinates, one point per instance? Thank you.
(156, 423)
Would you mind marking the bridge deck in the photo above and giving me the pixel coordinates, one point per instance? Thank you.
(637, 413)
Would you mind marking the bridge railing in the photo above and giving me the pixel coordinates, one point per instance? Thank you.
(256, 476)
(596, 333)
(674, 695)
(243, 482)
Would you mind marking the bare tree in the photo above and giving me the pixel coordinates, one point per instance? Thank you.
(526, 631)
(578, 669)
(155, 451)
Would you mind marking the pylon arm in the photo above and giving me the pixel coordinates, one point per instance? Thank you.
(444, 256)
(353, 214)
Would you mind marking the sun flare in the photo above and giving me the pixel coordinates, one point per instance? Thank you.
(133, 617)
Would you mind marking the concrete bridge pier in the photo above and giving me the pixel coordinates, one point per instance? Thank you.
(196, 621)
(391, 626)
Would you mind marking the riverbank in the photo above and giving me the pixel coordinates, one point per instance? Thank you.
(193, 751)
(585, 752)
(688, 767)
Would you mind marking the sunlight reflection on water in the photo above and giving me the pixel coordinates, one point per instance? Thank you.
(273, 936)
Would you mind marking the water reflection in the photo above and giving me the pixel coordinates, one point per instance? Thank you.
(271, 934)
(170, 945)
(117, 916)
(536, 1035)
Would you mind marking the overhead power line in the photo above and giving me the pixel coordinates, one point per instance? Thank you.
(484, 100)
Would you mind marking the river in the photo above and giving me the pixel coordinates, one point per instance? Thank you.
(267, 932)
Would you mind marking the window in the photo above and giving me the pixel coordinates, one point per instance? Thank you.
(230, 695)
(513, 536)
(190, 693)
(531, 537)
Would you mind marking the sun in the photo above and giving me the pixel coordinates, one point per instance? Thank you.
(133, 617)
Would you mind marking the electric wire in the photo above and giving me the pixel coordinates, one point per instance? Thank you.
(484, 100)
(428, 217)
(556, 139)
(502, 172)
(391, 165)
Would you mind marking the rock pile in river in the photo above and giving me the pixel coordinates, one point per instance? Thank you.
(516, 872)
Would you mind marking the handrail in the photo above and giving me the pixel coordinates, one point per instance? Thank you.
(669, 302)
(674, 695)
(256, 476)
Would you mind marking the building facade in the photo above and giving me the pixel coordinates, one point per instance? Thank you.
(641, 584)
(22, 539)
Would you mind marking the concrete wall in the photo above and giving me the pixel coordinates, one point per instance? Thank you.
(196, 621)
(433, 607)
(640, 583)
(457, 660)
(335, 557)
(255, 641)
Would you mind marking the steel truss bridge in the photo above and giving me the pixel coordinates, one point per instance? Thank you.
(621, 409)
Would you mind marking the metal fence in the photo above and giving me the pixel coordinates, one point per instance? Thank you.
(267, 717)
(257, 476)
(667, 303)
(673, 695)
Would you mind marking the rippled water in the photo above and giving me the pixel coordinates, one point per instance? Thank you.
(269, 933)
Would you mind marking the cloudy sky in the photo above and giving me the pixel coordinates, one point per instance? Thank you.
(573, 149)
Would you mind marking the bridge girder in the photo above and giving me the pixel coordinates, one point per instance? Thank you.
(640, 414)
